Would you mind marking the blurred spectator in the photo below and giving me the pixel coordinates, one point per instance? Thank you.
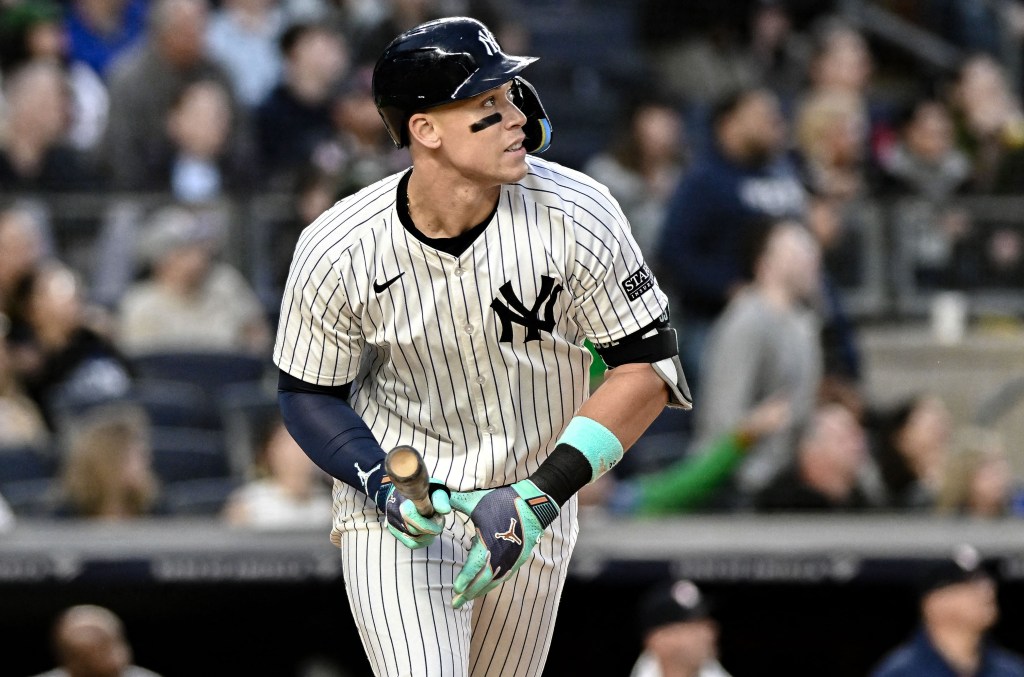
(78, 366)
(831, 142)
(34, 152)
(841, 59)
(642, 165)
(692, 483)
(989, 123)
(361, 152)
(842, 62)
(680, 636)
(107, 470)
(925, 171)
(146, 82)
(99, 31)
(22, 247)
(200, 165)
(34, 30)
(911, 444)
(924, 161)
(243, 36)
(21, 422)
(697, 50)
(288, 491)
(7, 519)
(191, 300)
(89, 641)
(825, 475)
(780, 54)
(977, 480)
(766, 342)
(841, 379)
(958, 606)
(742, 179)
(26, 27)
(295, 119)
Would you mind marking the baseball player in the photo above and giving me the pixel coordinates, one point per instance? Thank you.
(447, 308)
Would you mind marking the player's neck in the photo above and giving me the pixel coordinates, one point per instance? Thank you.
(441, 208)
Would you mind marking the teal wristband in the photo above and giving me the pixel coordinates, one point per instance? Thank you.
(599, 445)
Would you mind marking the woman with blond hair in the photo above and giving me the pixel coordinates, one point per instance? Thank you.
(108, 473)
(977, 480)
(831, 133)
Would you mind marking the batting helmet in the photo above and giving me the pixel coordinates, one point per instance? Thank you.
(449, 60)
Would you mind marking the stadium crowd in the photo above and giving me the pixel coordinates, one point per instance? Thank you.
(742, 140)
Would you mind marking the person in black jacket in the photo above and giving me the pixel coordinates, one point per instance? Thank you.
(825, 475)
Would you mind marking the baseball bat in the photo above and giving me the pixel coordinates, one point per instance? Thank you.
(409, 475)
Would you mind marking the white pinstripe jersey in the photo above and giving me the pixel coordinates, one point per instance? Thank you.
(478, 360)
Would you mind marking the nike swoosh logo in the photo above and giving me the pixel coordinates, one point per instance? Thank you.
(379, 287)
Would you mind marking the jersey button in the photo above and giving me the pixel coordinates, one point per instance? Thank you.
(489, 430)
(459, 271)
(481, 379)
(468, 328)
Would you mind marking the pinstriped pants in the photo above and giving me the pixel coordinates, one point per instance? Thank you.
(401, 603)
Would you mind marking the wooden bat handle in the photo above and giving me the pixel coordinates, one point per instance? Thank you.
(405, 467)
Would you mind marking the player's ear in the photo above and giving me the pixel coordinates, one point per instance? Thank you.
(423, 128)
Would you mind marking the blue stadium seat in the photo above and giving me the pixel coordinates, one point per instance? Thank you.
(202, 497)
(211, 371)
(181, 453)
(24, 463)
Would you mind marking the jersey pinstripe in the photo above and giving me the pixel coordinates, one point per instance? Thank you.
(477, 360)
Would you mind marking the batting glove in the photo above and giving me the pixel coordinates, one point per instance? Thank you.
(508, 522)
(405, 522)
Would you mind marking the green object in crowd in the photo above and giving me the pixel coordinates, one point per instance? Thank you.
(598, 366)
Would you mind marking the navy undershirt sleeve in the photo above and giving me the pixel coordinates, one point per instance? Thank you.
(331, 433)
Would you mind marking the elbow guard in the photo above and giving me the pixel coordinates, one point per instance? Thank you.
(658, 346)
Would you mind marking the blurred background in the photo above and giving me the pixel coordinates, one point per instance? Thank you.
(831, 194)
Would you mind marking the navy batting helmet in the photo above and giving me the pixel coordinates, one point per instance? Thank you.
(449, 60)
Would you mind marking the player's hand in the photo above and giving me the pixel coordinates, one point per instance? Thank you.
(406, 523)
(508, 522)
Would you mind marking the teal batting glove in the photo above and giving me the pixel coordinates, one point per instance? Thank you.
(405, 522)
(508, 522)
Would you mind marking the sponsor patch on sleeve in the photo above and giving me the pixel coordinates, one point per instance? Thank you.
(637, 283)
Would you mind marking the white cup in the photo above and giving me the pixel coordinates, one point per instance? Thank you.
(949, 317)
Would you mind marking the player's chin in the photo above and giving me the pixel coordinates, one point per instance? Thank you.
(514, 165)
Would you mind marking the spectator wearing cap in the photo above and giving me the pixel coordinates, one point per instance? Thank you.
(190, 300)
(679, 635)
(958, 607)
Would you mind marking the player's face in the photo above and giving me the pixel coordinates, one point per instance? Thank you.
(482, 137)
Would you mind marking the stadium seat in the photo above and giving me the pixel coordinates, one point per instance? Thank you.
(211, 371)
(176, 404)
(181, 453)
(198, 497)
(22, 463)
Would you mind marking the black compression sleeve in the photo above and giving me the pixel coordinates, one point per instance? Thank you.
(331, 433)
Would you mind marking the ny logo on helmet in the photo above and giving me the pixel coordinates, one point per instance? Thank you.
(517, 313)
(490, 44)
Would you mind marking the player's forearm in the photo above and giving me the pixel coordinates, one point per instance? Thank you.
(334, 437)
(628, 401)
(608, 424)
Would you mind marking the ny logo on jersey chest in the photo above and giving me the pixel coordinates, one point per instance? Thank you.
(517, 313)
